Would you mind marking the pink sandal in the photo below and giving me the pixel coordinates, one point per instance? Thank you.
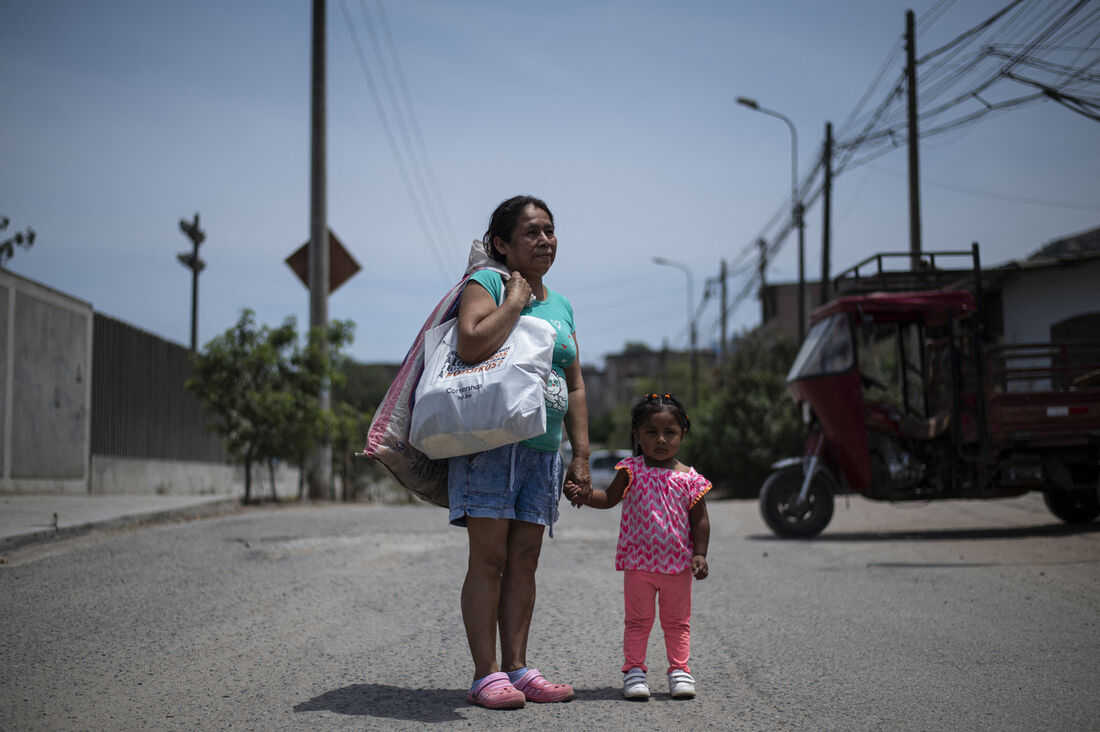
(535, 688)
(495, 691)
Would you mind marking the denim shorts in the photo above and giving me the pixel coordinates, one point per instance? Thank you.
(509, 482)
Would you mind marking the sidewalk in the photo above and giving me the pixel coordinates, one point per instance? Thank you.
(26, 519)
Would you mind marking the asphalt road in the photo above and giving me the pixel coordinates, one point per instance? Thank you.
(966, 615)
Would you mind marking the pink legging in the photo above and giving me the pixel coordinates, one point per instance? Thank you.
(640, 589)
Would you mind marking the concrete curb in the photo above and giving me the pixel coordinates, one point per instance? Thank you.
(47, 533)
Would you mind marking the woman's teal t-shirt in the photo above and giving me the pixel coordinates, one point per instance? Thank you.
(556, 311)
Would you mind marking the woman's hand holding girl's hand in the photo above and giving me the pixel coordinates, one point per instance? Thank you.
(577, 496)
(699, 567)
(579, 476)
(579, 472)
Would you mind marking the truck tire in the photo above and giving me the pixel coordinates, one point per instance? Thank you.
(781, 489)
(1073, 507)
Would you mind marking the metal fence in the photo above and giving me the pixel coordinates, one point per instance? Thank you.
(139, 406)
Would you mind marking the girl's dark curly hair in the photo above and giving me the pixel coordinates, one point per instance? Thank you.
(651, 404)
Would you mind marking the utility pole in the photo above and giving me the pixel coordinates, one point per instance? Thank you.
(320, 484)
(801, 270)
(914, 139)
(761, 267)
(191, 260)
(722, 275)
(827, 213)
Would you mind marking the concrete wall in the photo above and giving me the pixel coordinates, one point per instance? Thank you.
(45, 388)
(46, 357)
(141, 476)
(1037, 299)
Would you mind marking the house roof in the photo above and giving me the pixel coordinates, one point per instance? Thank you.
(1078, 246)
(1065, 252)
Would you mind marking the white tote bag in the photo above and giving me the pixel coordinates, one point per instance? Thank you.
(465, 408)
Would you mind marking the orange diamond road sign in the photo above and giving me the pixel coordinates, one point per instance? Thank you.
(341, 265)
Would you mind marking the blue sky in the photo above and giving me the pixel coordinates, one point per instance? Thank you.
(122, 117)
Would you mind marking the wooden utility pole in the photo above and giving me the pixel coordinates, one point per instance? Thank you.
(320, 483)
(827, 213)
(761, 269)
(914, 141)
(723, 274)
(191, 260)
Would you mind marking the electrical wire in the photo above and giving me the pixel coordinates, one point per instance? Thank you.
(420, 164)
(417, 134)
(399, 158)
(978, 66)
(925, 181)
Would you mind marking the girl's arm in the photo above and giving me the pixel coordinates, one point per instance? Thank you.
(597, 497)
(700, 536)
(576, 423)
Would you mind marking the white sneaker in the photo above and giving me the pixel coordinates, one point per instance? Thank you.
(681, 685)
(634, 684)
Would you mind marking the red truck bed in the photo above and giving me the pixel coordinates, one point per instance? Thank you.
(1045, 393)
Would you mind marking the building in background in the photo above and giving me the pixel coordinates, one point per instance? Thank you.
(1050, 296)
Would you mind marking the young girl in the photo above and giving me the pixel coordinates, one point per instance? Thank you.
(663, 537)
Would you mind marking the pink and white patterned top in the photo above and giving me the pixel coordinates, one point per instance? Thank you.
(654, 532)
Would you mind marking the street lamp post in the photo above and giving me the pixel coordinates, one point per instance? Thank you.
(691, 323)
(796, 207)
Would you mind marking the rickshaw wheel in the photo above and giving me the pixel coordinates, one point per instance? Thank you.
(778, 495)
(1073, 507)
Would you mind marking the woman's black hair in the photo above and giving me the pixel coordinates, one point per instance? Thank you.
(651, 404)
(504, 219)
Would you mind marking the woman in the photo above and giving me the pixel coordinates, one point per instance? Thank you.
(506, 497)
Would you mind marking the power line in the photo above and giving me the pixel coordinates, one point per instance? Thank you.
(417, 134)
(925, 181)
(1044, 26)
(419, 162)
(966, 70)
(394, 147)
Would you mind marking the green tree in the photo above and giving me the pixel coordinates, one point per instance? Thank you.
(316, 367)
(355, 400)
(749, 421)
(349, 435)
(364, 385)
(24, 239)
(260, 388)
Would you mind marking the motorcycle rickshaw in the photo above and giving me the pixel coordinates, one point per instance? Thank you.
(905, 402)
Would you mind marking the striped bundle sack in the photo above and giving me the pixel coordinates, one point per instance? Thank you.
(388, 437)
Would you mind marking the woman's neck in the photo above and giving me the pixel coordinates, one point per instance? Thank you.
(537, 288)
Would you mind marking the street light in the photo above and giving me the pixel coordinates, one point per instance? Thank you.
(691, 322)
(796, 207)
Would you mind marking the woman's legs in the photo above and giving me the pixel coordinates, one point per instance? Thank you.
(499, 591)
(517, 593)
(481, 592)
